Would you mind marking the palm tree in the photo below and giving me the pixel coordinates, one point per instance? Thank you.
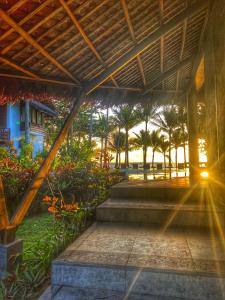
(167, 121)
(164, 148)
(176, 140)
(142, 140)
(147, 112)
(155, 141)
(126, 117)
(117, 145)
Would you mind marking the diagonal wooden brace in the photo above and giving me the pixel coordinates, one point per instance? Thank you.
(45, 167)
(4, 220)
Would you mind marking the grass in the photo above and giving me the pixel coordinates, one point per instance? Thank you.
(34, 231)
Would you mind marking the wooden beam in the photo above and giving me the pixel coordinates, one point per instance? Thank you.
(4, 219)
(145, 44)
(16, 6)
(35, 27)
(17, 67)
(66, 83)
(27, 18)
(167, 74)
(84, 35)
(46, 165)
(182, 48)
(131, 29)
(161, 9)
(68, 30)
(39, 79)
(33, 43)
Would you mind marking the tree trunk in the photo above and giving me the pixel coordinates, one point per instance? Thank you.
(170, 164)
(119, 159)
(127, 151)
(91, 126)
(117, 156)
(153, 159)
(144, 156)
(164, 156)
(176, 162)
(106, 138)
(101, 155)
(185, 161)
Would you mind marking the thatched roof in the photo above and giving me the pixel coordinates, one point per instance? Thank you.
(144, 46)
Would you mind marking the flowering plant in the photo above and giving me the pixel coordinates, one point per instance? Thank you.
(58, 207)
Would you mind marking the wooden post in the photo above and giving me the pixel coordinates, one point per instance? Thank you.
(45, 167)
(193, 138)
(4, 220)
(27, 122)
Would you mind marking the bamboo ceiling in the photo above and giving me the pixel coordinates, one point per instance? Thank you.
(102, 43)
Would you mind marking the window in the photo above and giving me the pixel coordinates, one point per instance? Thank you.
(33, 116)
(39, 118)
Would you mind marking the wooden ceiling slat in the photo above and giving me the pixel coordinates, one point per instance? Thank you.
(70, 49)
(35, 27)
(84, 35)
(62, 34)
(26, 19)
(167, 74)
(141, 47)
(131, 29)
(17, 67)
(16, 6)
(32, 42)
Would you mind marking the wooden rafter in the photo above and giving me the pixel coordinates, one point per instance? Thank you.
(27, 18)
(59, 36)
(35, 27)
(84, 35)
(33, 43)
(66, 83)
(182, 49)
(161, 9)
(16, 6)
(39, 79)
(17, 67)
(131, 29)
(145, 44)
(167, 74)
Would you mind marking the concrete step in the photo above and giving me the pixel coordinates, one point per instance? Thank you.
(143, 192)
(156, 212)
(117, 261)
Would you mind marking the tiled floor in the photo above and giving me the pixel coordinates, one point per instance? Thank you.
(139, 246)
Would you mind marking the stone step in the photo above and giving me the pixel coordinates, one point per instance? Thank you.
(120, 261)
(155, 212)
(148, 193)
(82, 281)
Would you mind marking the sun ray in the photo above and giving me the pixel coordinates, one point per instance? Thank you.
(178, 207)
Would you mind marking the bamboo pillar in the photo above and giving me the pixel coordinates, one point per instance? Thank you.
(45, 167)
(192, 137)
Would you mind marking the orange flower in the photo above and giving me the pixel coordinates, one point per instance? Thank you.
(52, 209)
(47, 199)
(69, 207)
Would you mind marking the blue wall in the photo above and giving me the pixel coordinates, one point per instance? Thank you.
(37, 139)
(13, 122)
